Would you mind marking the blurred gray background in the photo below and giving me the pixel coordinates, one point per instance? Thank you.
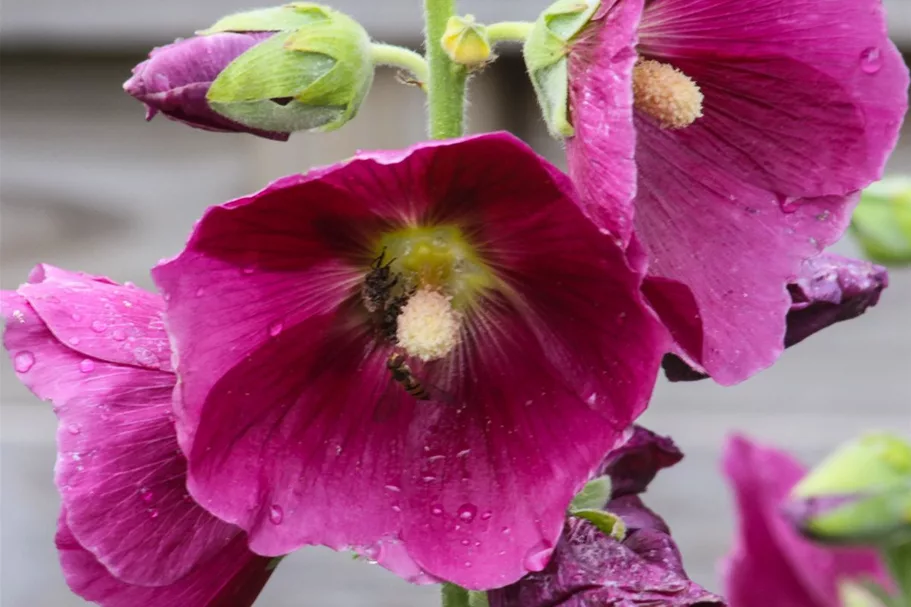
(87, 185)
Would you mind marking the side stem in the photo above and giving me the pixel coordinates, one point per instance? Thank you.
(446, 91)
(509, 31)
(397, 56)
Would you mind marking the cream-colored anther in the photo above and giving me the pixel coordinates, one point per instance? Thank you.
(666, 94)
(428, 326)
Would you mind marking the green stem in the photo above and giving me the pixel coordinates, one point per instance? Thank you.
(898, 561)
(454, 596)
(447, 80)
(397, 56)
(509, 31)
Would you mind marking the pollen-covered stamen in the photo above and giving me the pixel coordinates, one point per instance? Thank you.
(666, 94)
(428, 326)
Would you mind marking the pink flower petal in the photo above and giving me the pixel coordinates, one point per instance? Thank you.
(299, 435)
(119, 470)
(769, 554)
(732, 245)
(233, 579)
(802, 99)
(99, 319)
(601, 155)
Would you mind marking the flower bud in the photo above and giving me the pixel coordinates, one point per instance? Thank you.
(546, 53)
(882, 222)
(860, 495)
(269, 72)
(466, 42)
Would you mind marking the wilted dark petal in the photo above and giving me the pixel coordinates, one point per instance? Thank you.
(590, 568)
(829, 290)
(175, 79)
(632, 466)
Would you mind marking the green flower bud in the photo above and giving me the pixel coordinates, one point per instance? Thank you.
(312, 77)
(860, 495)
(546, 53)
(466, 42)
(882, 222)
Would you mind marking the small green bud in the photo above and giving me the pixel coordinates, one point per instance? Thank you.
(466, 42)
(310, 78)
(861, 494)
(882, 221)
(546, 53)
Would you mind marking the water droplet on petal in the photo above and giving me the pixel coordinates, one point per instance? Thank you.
(428, 479)
(118, 335)
(276, 514)
(200, 292)
(87, 366)
(436, 510)
(871, 60)
(145, 495)
(153, 513)
(73, 429)
(98, 326)
(467, 564)
(23, 361)
(505, 530)
(467, 512)
(146, 357)
(463, 453)
(396, 508)
(537, 557)
(394, 488)
(486, 515)
(76, 317)
(465, 542)
(276, 328)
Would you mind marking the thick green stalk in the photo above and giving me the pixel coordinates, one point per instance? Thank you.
(454, 596)
(446, 93)
(509, 31)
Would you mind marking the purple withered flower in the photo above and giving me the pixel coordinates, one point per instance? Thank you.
(128, 533)
(829, 289)
(731, 138)
(420, 354)
(770, 563)
(176, 78)
(592, 568)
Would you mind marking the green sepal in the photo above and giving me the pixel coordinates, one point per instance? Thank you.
(868, 464)
(864, 594)
(594, 495)
(311, 78)
(477, 598)
(880, 519)
(608, 523)
(545, 54)
(273, 19)
(882, 222)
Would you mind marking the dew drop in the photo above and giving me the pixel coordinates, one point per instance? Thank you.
(537, 557)
(393, 488)
(98, 326)
(153, 513)
(87, 366)
(467, 564)
(463, 453)
(73, 429)
(436, 510)
(118, 335)
(127, 304)
(76, 317)
(276, 328)
(276, 514)
(396, 508)
(145, 495)
(146, 357)
(505, 530)
(200, 292)
(465, 542)
(467, 512)
(428, 479)
(871, 60)
(23, 361)
(485, 516)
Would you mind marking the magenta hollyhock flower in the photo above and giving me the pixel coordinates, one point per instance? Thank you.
(128, 533)
(829, 289)
(175, 79)
(418, 354)
(770, 563)
(731, 138)
(591, 568)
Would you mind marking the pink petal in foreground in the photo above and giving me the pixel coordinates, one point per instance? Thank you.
(234, 578)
